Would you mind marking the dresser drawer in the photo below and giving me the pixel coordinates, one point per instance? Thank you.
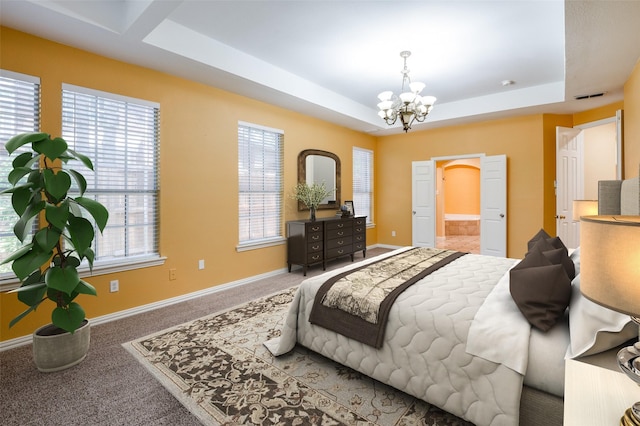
(314, 237)
(314, 257)
(339, 242)
(359, 238)
(357, 246)
(339, 233)
(359, 229)
(313, 247)
(339, 224)
(313, 227)
(360, 221)
(340, 251)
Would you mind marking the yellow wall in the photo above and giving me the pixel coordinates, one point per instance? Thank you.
(198, 172)
(521, 139)
(462, 190)
(632, 124)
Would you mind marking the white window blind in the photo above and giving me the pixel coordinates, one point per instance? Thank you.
(121, 137)
(260, 183)
(19, 113)
(363, 182)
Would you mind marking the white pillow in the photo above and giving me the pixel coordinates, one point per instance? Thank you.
(575, 256)
(594, 328)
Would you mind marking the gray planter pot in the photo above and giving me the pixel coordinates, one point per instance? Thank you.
(55, 349)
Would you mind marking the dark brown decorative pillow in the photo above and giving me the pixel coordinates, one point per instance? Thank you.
(558, 255)
(556, 242)
(540, 289)
(541, 234)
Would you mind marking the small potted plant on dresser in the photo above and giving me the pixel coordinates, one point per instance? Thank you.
(311, 195)
(47, 263)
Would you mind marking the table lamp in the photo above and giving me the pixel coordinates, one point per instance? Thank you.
(610, 276)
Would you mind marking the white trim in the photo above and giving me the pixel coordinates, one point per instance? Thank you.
(98, 269)
(108, 95)
(259, 127)
(387, 246)
(19, 76)
(458, 157)
(363, 149)
(254, 245)
(25, 340)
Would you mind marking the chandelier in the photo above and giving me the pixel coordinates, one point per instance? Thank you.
(410, 106)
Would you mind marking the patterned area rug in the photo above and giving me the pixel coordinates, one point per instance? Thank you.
(218, 368)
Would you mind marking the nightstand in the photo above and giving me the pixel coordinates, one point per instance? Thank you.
(595, 395)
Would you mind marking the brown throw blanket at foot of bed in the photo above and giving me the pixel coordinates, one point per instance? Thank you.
(356, 303)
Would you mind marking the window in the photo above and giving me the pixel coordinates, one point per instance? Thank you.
(20, 106)
(363, 182)
(260, 184)
(120, 136)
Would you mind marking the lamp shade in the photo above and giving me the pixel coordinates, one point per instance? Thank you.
(584, 208)
(610, 262)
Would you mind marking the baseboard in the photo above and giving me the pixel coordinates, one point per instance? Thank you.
(387, 246)
(25, 340)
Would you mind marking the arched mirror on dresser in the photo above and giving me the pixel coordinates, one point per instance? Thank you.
(316, 166)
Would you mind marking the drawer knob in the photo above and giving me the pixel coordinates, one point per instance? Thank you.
(340, 242)
(315, 247)
(315, 237)
(340, 251)
(316, 257)
(341, 233)
(340, 225)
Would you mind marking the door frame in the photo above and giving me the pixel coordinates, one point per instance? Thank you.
(618, 120)
(615, 119)
(434, 161)
(451, 158)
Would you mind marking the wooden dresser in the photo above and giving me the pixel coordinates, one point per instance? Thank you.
(312, 242)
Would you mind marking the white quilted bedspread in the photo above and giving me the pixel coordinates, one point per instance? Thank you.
(424, 351)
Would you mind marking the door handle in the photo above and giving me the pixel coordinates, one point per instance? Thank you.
(561, 217)
(501, 214)
(414, 212)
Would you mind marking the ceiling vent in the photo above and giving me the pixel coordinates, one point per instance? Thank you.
(594, 95)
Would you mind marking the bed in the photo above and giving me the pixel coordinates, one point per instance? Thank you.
(470, 337)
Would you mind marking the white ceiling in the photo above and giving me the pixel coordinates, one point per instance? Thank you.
(330, 59)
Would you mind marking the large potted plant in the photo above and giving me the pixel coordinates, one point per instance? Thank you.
(47, 263)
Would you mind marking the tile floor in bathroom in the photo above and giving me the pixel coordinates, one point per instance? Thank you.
(466, 243)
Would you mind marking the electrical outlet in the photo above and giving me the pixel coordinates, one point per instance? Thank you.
(114, 286)
(201, 264)
(393, 233)
(172, 274)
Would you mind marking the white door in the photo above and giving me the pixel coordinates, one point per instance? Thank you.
(423, 202)
(493, 205)
(569, 183)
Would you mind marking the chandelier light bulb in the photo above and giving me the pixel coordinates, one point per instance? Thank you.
(429, 100)
(385, 96)
(416, 87)
(407, 97)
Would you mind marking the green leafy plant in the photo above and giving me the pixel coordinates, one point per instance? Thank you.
(47, 263)
(311, 195)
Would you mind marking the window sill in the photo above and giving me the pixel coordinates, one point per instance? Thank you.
(261, 244)
(10, 282)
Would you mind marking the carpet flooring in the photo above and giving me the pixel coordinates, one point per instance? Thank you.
(218, 367)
